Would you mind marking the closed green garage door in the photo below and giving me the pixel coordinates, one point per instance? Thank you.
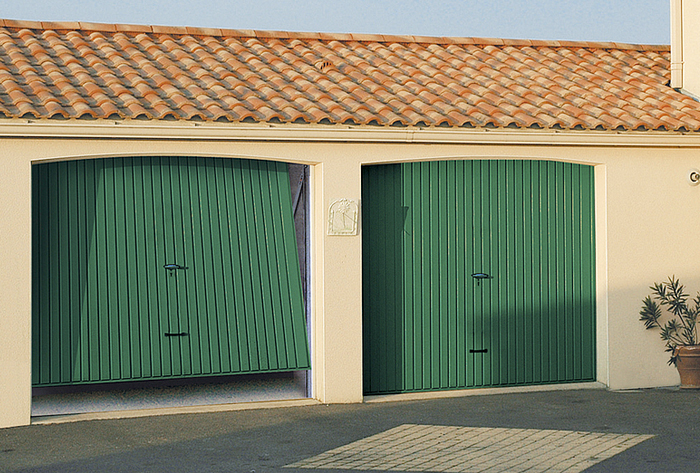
(149, 268)
(477, 273)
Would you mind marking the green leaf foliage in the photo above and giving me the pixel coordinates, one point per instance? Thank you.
(669, 301)
(650, 313)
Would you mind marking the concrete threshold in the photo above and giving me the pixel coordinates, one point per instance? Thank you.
(420, 396)
(126, 414)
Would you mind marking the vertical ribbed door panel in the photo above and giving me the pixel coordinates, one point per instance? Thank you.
(106, 309)
(527, 226)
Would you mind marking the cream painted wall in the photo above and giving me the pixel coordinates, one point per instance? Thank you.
(341, 274)
(646, 230)
(685, 43)
(15, 293)
(652, 234)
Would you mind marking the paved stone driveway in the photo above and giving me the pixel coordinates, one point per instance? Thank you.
(433, 448)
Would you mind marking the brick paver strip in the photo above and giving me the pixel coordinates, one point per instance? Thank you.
(447, 449)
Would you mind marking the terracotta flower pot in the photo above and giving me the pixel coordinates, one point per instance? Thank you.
(688, 365)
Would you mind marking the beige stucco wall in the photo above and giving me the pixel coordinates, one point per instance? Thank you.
(646, 227)
(691, 46)
(15, 281)
(685, 46)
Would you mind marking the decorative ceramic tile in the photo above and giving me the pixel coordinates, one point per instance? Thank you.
(342, 217)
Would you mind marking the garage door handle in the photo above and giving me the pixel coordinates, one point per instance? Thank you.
(172, 267)
(485, 350)
(178, 334)
(480, 276)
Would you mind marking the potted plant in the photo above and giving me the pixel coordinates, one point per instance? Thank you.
(670, 309)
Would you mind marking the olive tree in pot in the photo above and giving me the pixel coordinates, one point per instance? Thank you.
(670, 309)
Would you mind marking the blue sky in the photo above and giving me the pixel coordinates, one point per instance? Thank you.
(632, 21)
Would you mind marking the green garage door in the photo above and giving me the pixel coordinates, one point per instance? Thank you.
(151, 268)
(477, 273)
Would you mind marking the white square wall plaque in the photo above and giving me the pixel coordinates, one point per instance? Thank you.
(342, 217)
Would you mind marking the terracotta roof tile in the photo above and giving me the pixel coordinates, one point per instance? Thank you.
(74, 70)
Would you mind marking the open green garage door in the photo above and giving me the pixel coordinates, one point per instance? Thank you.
(477, 273)
(164, 267)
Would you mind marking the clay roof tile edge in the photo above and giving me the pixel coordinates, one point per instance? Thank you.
(184, 30)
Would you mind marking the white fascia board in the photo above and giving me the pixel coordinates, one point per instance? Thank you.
(134, 130)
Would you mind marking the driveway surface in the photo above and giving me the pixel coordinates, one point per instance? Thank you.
(592, 430)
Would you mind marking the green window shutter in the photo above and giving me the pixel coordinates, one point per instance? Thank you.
(104, 307)
(427, 227)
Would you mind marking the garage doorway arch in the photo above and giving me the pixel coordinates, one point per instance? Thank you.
(151, 268)
(477, 273)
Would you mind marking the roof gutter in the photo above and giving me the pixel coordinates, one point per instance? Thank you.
(188, 131)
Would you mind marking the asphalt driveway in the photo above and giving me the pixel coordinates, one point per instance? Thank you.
(665, 422)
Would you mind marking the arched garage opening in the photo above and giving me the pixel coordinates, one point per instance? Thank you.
(160, 272)
(477, 273)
